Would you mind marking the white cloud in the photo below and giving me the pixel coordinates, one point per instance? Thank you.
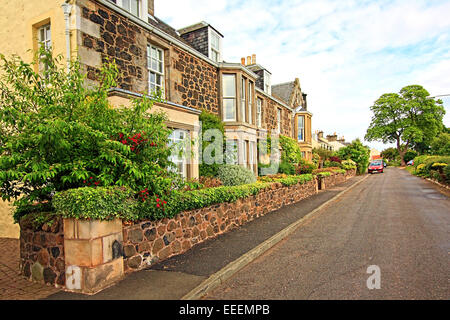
(346, 53)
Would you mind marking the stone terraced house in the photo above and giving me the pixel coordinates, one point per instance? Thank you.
(186, 64)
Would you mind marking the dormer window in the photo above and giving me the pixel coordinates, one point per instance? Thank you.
(215, 44)
(135, 7)
(267, 83)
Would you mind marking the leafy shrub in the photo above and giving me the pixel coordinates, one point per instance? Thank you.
(287, 180)
(327, 164)
(103, 203)
(393, 163)
(233, 175)
(178, 201)
(56, 133)
(348, 164)
(272, 177)
(305, 167)
(290, 152)
(438, 166)
(286, 168)
(210, 121)
(357, 152)
(323, 174)
(447, 174)
(335, 159)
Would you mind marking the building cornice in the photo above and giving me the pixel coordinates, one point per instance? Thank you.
(127, 94)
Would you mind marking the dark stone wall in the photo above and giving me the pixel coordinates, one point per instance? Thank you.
(198, 39)
(189, 81)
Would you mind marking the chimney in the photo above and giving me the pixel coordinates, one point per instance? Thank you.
(320, 134)
(249, 60)
(243, 61)
(253, 58)
(151, 7)
(332, 137)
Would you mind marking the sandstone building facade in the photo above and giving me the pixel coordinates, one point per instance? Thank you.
(186, 65)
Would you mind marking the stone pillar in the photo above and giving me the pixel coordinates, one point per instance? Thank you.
(93, 254)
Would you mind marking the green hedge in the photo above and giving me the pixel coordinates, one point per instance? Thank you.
(103, 203)
(106, 203)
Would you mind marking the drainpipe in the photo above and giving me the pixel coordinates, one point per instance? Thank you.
(67, 8)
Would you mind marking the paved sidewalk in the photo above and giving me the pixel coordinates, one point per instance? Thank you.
(12, 285)
(175, 277)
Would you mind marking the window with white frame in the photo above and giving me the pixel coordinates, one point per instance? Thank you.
(45, 36)
(252, 152)
(278, 121)
(229, 97)
(267, 83)
(155, 64)
(177, 141)
(258, 112)
(243, 97)
(250, 102)
(214, 45)
(301, 128)
(132, 6)
(45, 41)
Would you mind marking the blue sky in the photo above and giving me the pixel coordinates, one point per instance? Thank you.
(346, 53)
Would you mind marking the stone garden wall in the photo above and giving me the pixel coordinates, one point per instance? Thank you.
(141, 244)
(42, 253)
(149, 242)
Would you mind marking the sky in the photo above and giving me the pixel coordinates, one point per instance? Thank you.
(346, 53)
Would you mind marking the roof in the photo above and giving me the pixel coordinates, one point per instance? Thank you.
(197, 26)
(283, 90)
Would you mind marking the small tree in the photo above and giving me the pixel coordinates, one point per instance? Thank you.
(58, 134)
(357, 152)
(441, 145)
(408, 118)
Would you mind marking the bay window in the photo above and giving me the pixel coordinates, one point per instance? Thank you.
(231, 152)
(229, 97)
(301, 128)
(243, 96)
(250, 102)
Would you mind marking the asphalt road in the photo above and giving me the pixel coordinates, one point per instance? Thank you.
(395, 221)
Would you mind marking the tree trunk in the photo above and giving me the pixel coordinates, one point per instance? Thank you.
(401, 153)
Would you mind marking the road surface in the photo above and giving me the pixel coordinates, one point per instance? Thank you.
(394, 222)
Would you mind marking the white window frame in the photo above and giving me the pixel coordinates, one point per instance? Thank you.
(259, 103)
(142, 8)
(245, 148)
(45, 41)
(175, 158)
(302, 128)
(233, 98)
(243, 99)
(150, 58)
(267, 83)
(218, 51)
(250, 102)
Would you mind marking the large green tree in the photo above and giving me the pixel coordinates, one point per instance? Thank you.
(406, 118)
(357, 152)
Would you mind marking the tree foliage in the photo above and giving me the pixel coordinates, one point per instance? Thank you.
(408, 118)
(210, 121)
(357, 152)
(441, 145)
(57, 133)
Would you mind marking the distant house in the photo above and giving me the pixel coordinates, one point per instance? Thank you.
(330, 142)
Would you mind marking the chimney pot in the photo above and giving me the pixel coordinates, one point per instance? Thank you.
(249, 60)
(243, 61)
(253, 58)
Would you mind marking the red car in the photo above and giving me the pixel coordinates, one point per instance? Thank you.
(376, 166)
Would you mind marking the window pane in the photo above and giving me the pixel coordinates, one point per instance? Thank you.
(126, 4)
(301, 128)
(229, 85)
(135, 7)
(160, 67)
(229, 109)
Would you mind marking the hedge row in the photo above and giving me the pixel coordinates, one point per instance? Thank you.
(105, 203)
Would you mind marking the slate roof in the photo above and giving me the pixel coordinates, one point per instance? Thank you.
(283, 90)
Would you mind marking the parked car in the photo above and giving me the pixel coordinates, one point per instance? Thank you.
(410, 163)
(376, 166)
